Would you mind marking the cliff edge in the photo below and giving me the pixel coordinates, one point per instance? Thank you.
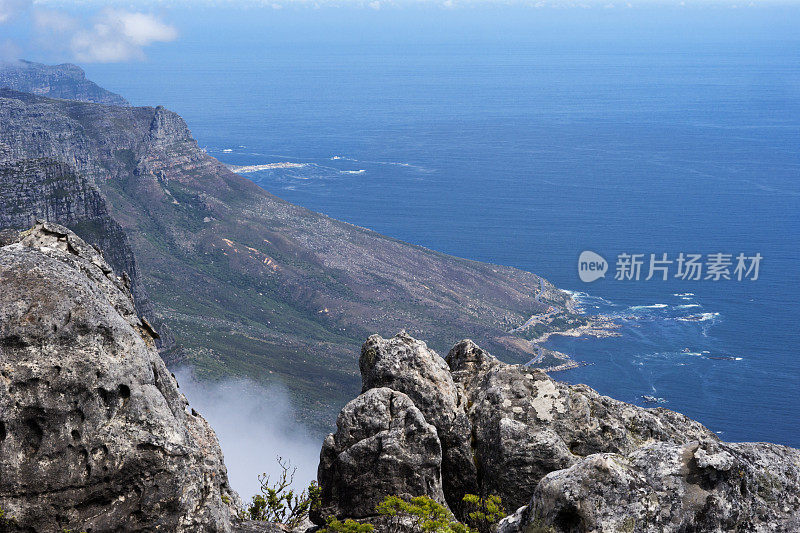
(94, 433)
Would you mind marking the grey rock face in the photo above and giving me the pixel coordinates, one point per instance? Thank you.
(382, 446)
(664, 487)
(94, 433)
(67, 82)
(407, 365)
(530, 435)
(526, 424)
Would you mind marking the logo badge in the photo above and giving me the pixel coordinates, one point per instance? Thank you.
(591, 266)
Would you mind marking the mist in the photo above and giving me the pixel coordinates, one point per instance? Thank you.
(254, 424)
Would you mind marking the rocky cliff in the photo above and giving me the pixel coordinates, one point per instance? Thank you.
(569, 459)
(94, 433)
(250, 284)
(67, 82)
(44, 188)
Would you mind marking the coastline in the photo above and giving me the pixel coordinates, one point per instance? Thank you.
(578, 324)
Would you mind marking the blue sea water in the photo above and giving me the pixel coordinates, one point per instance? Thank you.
(526, 153)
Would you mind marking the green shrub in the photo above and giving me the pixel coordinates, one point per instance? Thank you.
(278, 502)
(420, 514)
(348, 526)
(483, 514)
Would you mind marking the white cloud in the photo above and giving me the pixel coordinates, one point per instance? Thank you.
(53, 22)
(10, 8)
(119, 35)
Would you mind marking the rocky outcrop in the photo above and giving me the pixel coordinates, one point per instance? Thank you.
(407, 365)
(94, 433)
(571, 459)
(66, 81)
(664, 487)
(526, 424)
(382, 445)
(34, 189)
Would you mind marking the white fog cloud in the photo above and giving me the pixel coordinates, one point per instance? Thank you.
(119, 35)
(254, 424)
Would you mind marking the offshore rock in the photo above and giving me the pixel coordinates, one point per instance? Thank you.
(94, 434)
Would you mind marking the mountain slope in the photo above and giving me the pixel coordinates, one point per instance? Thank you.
(65, 81)
(250, 284)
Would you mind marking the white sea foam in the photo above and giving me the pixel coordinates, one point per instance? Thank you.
(683, 294)
(353, 171)
(654, 306)
(702, 317)
(687, 306)
(268, 166)
(228, 150)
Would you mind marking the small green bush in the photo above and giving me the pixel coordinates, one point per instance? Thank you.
(348, 526)
(483, 514)
(280, 503)
(421, 514)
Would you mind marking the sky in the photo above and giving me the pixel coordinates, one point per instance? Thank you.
(90, 31)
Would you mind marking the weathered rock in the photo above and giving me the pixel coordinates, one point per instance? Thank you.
(407, 365)
(663, 487)
(94, 434)
(526, 425)
(43, 188)
(382, 446)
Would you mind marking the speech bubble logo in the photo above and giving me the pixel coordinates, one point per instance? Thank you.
(591, 266)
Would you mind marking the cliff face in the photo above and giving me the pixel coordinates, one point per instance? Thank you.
(94, 434)
(251, 284)
(67, 82)
(32, 189)
(568, 458)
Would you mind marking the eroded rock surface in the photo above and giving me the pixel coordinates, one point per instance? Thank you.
(569, 458)
(382, 446)
(526, 424)
(664, 487)
(407, 365)
(94, 433)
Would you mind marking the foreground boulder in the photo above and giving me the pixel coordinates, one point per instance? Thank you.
(663, 487)
(527, 425)
(570, 459)
(407, 365)
(94, 434)
(382, 446)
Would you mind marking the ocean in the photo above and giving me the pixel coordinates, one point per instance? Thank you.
(526, 153)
